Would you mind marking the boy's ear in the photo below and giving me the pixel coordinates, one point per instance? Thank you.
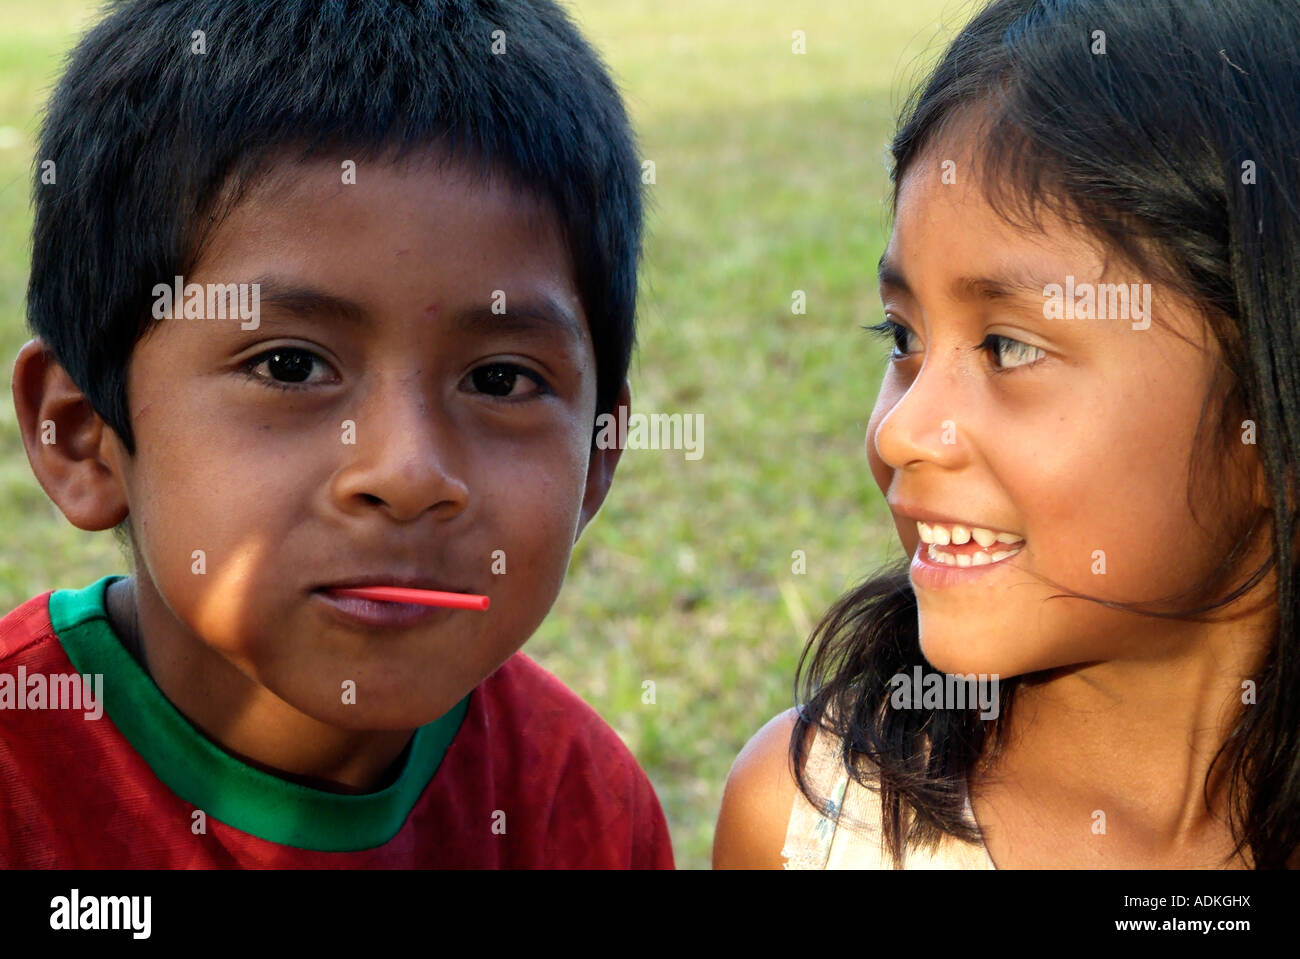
(600, 468)
(68, 445)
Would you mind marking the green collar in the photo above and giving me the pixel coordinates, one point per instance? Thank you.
(201, 773)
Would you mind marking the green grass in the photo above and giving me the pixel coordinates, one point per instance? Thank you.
(770, 179)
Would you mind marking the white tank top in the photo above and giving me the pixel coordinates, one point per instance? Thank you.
(851, 838)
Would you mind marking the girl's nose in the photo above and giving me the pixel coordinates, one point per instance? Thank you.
(923, 424)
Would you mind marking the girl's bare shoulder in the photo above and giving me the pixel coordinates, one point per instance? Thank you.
(756, 803)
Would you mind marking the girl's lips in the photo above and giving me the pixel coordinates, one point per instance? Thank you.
(374, 613)
(931, 574)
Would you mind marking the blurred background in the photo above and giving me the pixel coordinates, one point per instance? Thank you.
(771, 179)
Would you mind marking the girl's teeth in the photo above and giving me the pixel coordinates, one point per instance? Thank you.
(964, 560)
(958, 535)
(946, 559)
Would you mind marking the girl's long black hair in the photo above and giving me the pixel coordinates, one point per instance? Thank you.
(1170, 130)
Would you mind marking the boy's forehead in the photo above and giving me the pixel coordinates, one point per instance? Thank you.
(422, 201)
(290, 178)
(409, 242)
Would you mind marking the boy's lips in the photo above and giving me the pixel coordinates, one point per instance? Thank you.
(382, 611)
(399, 580)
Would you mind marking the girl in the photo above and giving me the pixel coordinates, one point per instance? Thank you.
(1087, 437)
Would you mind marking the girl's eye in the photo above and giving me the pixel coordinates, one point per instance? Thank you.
(894, 331)
(1009, 353)
(507, 381)
(287, 367)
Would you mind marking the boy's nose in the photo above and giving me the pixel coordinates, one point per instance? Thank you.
(406, 458)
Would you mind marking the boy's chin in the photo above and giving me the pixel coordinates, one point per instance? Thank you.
(375, 717)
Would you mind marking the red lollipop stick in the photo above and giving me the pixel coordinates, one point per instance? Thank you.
(422, 597)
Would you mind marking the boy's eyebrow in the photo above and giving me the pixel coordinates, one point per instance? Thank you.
(521, 315)
(1011, 284)
(309, 302)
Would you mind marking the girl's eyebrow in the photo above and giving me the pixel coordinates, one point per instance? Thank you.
(889, 275)
(1013, 283)
(1004, 287)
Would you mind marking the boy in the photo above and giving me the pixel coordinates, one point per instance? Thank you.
(327, 296)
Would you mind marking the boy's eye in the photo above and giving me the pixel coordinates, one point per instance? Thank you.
(506, 380)
(1015, 353)
(286, 366)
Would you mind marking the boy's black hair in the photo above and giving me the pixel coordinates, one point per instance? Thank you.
(153, 142)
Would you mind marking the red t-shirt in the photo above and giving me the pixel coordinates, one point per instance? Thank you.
(522, 773)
